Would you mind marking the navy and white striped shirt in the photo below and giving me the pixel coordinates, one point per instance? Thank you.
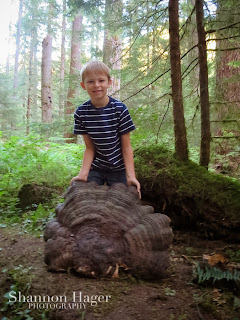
(104, 126)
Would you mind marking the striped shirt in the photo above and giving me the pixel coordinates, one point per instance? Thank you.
(104, 126)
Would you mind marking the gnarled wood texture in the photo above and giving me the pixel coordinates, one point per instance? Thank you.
(99, 228)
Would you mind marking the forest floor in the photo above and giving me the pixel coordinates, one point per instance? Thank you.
(176, 297)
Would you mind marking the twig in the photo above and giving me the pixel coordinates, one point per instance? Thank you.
(198, 310)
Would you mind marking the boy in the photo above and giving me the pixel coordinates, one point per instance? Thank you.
(105, 124)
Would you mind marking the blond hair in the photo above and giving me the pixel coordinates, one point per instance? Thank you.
(96, 66)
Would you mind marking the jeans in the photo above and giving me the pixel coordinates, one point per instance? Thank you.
(101, 176)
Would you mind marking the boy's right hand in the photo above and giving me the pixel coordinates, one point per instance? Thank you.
(78, 178)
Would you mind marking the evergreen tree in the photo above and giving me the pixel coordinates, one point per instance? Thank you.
(178, 113)
(204, 95)
(74, 79)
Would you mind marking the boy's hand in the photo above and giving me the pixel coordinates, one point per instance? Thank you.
(78, 178)
(135, 182)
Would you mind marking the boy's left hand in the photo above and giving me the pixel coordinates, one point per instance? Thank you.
(135, 182)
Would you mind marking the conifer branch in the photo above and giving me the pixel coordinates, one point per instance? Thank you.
(223, 28)
(226, 49)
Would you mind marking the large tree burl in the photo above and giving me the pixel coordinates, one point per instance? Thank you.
(99, 228)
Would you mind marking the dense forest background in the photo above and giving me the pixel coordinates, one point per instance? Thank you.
(40, 83)
(176, 65)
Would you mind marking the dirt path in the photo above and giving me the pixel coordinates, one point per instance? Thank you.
(176, 297)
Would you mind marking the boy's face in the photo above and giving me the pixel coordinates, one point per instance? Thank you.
(96, 84)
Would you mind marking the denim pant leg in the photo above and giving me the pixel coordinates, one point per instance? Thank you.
(115, 177)
(97, 176)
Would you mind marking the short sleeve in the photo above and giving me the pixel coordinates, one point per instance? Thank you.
(125, 121)
(79, 127)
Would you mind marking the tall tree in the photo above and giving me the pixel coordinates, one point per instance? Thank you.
(204, 95)
(9, 40)
(46, 92)
(31, 76)
(18, 38)
(227, 76)
(192, 43)
(74, 79)
(46, 88)
(112, 46)
(178, 113)
(62, 65)
(227, 104)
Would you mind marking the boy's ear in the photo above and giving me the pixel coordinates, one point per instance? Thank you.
(83, 86)
(109, 82)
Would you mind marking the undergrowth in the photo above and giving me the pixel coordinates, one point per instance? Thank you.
(32, 160)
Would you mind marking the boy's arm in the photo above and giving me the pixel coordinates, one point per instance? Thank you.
(127, 152)
(87, 159)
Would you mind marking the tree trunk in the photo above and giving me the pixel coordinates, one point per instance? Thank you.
(112, 46)
(178, 113)
(19, 26)
(8, 56)
(62, 66)
(46, 92)
(74, 79)
(204, 95)
(227, 104)
(227, 76)
(30, 85)
(193, 54)
(204, 203)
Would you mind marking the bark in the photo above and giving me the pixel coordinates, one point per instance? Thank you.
(8, 57)
(112, 47)
(204, 95)
(192, 42)
(46, 92)
(19, 26)
(178, 113)
(35, 73)
(62, 66)
(74, 80)
(227, 76)
(30, 86)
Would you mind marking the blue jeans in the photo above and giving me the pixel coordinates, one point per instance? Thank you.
(108, 176)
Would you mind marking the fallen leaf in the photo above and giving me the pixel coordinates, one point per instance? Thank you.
(214, 259)
(217, 297)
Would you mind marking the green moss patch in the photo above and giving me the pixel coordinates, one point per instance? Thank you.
(188, 188)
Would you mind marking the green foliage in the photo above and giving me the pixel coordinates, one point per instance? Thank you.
(22, 279)
(235, 64)
(31, 159)
(206, 272)
(209, 303)
(233, 255)
(169, 292)
(35, 221)
(191, 251)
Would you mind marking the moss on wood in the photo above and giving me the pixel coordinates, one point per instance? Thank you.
(188, 193)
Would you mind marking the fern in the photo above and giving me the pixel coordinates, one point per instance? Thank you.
(206, 272)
